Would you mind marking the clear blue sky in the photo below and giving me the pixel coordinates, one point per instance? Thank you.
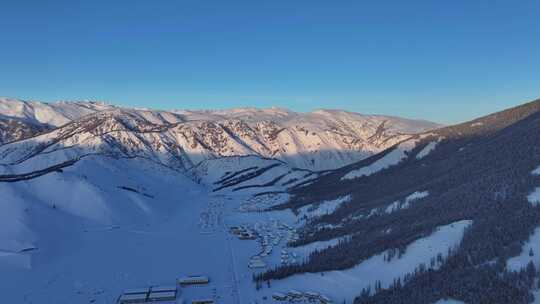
(445, 61)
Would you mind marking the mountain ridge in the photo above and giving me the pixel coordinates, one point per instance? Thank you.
(309, 141)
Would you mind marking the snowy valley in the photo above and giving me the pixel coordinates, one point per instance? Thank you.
(149, 196)
(100, 202)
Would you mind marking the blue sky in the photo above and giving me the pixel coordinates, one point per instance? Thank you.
(445, 61)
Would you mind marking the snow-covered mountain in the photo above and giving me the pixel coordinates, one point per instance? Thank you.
(15, 129)
(83, 183)
(481, 175)
(21, 119)
(52, 114)
(321, 140)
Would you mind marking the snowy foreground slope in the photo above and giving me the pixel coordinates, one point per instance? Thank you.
(80, 234)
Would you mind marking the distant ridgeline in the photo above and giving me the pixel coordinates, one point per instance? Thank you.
(320, 140)
(481, 171)
(246, 149)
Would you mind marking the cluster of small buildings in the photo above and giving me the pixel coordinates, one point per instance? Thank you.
(269, 235)
(291, 236)
(287, 258)
(260, 203)
(164, 293)
(268, 241)
(251, 233)
(256, 262)
(243, 232)
(211, 218)
(295, 296)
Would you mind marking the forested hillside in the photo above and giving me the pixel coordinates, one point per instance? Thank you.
(482, 171)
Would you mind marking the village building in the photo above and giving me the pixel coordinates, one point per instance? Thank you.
(193, 280)
(162, 296)
(278, 296)
(133, 298)
(144, 290)
(256, 263)
(164, 288)
(311, 295)
(295, 294)
(203, 301)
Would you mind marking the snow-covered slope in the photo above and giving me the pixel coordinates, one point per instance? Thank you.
(320, 140)
(12, 129)
(82, 234)
(249, 174)
(341, 284)
(96, 190)
(54, 114)
(484, 171)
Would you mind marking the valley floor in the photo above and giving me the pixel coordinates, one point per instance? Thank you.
(98, 262)
(106, 260)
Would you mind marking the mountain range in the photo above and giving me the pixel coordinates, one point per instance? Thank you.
(39, 136)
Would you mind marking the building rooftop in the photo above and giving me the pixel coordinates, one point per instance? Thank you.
(136, 290)
(164, 288)
(131, 297)
(162, 295)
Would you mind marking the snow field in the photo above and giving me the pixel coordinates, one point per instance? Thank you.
(390, 159)
(518, 262)
(426, 150)
(323, 208)
(406, 203)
